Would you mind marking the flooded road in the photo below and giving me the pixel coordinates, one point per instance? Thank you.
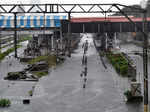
(61, 90)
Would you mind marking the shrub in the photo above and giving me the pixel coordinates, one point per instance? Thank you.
(117, 68)
(123, 69)
(119, 62)
(128, 94)
(113, 61)
(30, 92)
(5, 102)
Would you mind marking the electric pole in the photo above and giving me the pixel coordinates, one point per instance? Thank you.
(145, 63)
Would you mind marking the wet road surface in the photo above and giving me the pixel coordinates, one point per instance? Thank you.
(61, 90)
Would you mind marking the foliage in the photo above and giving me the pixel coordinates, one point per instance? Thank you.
(2, 55)
(38, 59)
(30, 92)
(5, 103)
(128, 94)
(119, 63)
(102, 54)
(123, 69)
(131, 98)
(51, 59)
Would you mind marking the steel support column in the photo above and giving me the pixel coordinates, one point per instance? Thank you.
(0, 42)
(15, 34)
(52, 43)
(61, 38)
(69, 34)
(145, 64)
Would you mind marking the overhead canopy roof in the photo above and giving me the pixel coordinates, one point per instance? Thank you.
(31, 21)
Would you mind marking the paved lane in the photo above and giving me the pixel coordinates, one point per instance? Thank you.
(61, 90)
(64, 92)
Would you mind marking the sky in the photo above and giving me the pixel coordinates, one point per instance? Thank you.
(126, 2)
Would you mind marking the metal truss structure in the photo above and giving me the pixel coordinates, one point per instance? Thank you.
(65, 8)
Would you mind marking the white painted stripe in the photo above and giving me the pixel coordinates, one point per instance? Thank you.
(51, 17)
(31, 21)
(61, 17)
(38, 20)
(12, 22)
(52, 23)
(19, 21)
(25, 21)
(5, 22)
(42, 21)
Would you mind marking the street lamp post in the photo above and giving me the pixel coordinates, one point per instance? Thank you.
(145, 65)
(0, 42)
(15, 34)
(145, 57)
(69, 33)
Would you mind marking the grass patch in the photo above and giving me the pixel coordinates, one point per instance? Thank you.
(2, 55)
(38, 59)
(5, 103)
(30, 92)
(51, 60)
(119, 62)
(25, 38)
